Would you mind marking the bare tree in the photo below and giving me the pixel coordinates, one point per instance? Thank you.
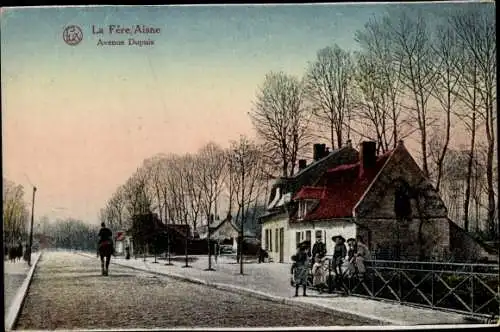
(210, 175)
(380, 74)
(328, 82)
(446, 52)
(475, 27)
(15, 212)
(115, 207)
(281, 120)
(372, 104)
(135, 193)
(154, 167)
(247, 173)
(179, 178)
(412, 51)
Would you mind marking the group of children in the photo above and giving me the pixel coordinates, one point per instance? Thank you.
(354, 255)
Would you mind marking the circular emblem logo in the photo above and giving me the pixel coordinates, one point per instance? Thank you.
(72, 35)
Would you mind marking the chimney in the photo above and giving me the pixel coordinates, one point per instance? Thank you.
(302, 164)
(327, 151)
(318, 151)
(348, 144)
(367, 156)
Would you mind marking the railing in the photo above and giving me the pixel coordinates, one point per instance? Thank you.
(470, 289)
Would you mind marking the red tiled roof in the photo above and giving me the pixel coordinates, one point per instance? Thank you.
(308, 192)
(345, 185)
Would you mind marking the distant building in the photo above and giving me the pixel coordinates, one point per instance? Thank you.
(122, 240)
(223, 231)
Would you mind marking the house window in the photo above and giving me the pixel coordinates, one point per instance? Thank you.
(297, 239)
(308, 235)
(276, 234)
(319, 234)
(266, 239)
(402, 201)
(270, 240)
(302, 209)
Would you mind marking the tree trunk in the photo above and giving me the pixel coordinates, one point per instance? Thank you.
(490, 135)
(469, 173)
(332, 134)
(425, 167)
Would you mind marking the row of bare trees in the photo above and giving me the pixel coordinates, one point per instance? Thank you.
(429, 76)
(15, 212)
(191, 189)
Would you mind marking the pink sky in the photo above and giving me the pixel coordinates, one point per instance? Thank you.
(78, 120)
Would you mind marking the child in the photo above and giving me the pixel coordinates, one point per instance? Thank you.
(318, 272)
(351, 256)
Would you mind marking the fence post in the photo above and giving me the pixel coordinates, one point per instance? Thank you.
(374, 266)
(472, 287)
(330, 283)
(399, 282)
(432, 284)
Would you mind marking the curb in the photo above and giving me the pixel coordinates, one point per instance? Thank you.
(268, 297)
(17, 303)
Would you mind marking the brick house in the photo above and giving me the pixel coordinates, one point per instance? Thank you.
(277, 231)
(386, 199)
(389, 202)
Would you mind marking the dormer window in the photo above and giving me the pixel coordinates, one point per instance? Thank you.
(303, 209)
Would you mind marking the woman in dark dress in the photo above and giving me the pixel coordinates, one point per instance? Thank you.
(339, 253)
(301, 269)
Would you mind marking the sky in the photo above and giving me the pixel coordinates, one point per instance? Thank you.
(78, 120)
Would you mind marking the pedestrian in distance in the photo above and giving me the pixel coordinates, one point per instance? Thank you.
(216, 251)
(301, 269)
(127, 252)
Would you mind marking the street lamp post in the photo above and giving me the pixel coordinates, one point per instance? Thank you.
(31, 226)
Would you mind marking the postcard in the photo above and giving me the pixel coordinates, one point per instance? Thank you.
(280, 166)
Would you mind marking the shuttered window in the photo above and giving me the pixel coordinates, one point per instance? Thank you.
(276, 244)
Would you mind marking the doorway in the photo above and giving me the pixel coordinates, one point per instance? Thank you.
(282, 244)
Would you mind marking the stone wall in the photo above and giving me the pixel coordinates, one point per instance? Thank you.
(383, 235)
(376, 211)
(379, 201)
(464, 248)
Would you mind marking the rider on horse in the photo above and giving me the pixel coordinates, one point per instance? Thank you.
(105, 247)
(105, 234)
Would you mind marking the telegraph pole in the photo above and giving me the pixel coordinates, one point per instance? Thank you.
(31, 227)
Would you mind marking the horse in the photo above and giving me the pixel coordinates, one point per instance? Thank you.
(15, 253)
(19, 252)
(105, 250)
